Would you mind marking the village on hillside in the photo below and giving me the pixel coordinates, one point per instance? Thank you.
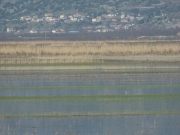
(103, 23)
(108, 17)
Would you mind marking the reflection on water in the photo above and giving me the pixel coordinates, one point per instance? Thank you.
(157, 115)
(53, 85)
(119, 125)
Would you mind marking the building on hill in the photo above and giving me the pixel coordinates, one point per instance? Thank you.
(10, 30)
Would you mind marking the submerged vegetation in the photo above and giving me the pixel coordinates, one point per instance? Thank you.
(102, 100)
(92, 114)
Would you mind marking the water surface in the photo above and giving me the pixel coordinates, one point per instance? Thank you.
(86, 103)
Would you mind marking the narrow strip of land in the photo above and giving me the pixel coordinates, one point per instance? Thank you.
(91, 87)
(92, 96)
(92, 114)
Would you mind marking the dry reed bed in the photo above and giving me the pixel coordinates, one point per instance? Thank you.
(48, 48)
(47, 61)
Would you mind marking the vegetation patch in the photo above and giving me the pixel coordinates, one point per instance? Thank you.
(51, 52)
(91, 87)
(91, 97)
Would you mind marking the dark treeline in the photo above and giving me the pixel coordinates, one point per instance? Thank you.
(130, 34)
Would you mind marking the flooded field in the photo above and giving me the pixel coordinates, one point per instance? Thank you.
(89, 102)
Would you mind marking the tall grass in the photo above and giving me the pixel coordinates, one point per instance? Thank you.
(53, 48)
(80, 51)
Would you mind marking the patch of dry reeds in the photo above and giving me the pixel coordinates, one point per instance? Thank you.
(42, 48)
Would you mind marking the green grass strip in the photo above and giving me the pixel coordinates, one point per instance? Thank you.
(91, 87)
(121, 63)
(92, 96)
(90, 71)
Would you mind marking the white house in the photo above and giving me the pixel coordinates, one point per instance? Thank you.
(70, 16)
(27, 18)
(131, 17)
(33, 31)
(58, 31)
(62, 16)
(74, 19)
(97, 19)
(11, 29)
(140, 18)
(48, 15)
(123, 15)
(94, 20)
(111, 15)
(124, 20)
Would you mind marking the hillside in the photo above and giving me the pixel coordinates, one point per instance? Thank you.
(61, 16)
(16, 8)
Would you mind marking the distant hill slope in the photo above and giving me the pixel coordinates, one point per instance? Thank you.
(162, 14)
(9, 8)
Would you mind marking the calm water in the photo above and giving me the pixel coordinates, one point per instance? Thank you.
(89, 84)
(121, 125)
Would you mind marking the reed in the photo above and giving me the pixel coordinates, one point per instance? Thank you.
(81, 51)
(48, 48)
